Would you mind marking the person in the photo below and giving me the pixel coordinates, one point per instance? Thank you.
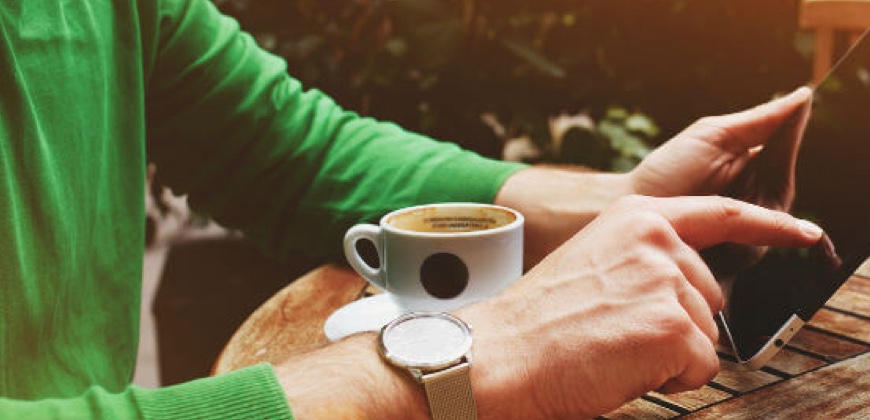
(93, 90)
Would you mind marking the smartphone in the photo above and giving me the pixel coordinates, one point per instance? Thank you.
(770, 301)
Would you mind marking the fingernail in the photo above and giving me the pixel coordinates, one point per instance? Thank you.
(803, 90)
(810, 229)
(800, 91)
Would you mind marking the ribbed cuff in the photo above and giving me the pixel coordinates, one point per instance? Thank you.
(481, 178)
(250, 393)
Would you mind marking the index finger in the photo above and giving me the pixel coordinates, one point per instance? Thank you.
(702, 222)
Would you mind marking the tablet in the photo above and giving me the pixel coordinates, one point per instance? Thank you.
(770, 301)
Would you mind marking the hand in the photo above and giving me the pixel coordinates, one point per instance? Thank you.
(711, 154)
(706, 158)
(622, 308)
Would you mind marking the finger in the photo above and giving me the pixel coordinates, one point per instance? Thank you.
(696, 270)
(740, 131)
(705, 297)
(705, 221)
(698, 308)
(701, 366)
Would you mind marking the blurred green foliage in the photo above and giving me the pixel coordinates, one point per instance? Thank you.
(436, 66)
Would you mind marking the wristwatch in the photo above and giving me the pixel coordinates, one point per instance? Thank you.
(436, 349)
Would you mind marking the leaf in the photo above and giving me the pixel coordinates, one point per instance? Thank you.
(616, 113)
(639, 123)
(623, 141)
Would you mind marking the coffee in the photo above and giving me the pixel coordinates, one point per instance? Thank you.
(451, 219)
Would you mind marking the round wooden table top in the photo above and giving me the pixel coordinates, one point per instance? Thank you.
(292, 320)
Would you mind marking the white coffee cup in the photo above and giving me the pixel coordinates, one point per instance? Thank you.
(440, 257)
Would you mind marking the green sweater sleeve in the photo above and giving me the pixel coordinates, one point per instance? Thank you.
(251, 393)
(224, 123)
(229, 127)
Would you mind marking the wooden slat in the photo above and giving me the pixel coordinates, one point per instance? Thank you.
(863, 270)
(854, 296)
(786, 361)
(837, 391)
(858, 283)
(733, 377)
(794, 363)
(849, 326)
(641, 409)
(694, 400)
(831, 348)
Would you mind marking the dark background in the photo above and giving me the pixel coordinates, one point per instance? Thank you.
(436, 65)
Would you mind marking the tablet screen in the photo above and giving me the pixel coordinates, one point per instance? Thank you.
(832, 188)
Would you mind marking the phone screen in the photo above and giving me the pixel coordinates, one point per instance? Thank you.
(832, 188)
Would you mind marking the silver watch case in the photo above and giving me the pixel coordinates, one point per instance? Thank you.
(446, 338)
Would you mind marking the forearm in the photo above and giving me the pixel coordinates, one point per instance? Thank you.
(558, 202)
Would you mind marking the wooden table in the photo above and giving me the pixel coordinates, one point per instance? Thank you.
(823, 373)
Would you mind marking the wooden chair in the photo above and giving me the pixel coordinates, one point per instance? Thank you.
(828, 17)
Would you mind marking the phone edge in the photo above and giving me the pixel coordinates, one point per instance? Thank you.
(785, 333)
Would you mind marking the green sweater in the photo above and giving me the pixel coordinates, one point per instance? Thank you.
(92, 89)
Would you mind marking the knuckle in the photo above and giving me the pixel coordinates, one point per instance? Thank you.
(653, 230)
(672, 326)
(708, 365)
(729, 208)
(645, 224)
(665, 273)
(661, 275)
(680, 325)
(728, 212)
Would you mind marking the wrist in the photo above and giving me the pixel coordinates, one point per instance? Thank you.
(558, 202)
(501, 375)
(349, 379)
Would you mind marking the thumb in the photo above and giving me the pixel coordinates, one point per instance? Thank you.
(747, 129)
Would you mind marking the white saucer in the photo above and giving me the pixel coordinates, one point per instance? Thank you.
(366, 314)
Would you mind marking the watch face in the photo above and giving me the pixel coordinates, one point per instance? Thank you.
(425, 341)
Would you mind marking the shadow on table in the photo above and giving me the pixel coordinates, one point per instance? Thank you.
(207, 289)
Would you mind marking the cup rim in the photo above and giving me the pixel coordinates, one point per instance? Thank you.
(519, 220)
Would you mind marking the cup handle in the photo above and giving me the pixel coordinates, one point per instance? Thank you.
(375, 276)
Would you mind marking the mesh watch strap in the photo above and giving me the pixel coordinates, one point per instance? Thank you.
(449, 393)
